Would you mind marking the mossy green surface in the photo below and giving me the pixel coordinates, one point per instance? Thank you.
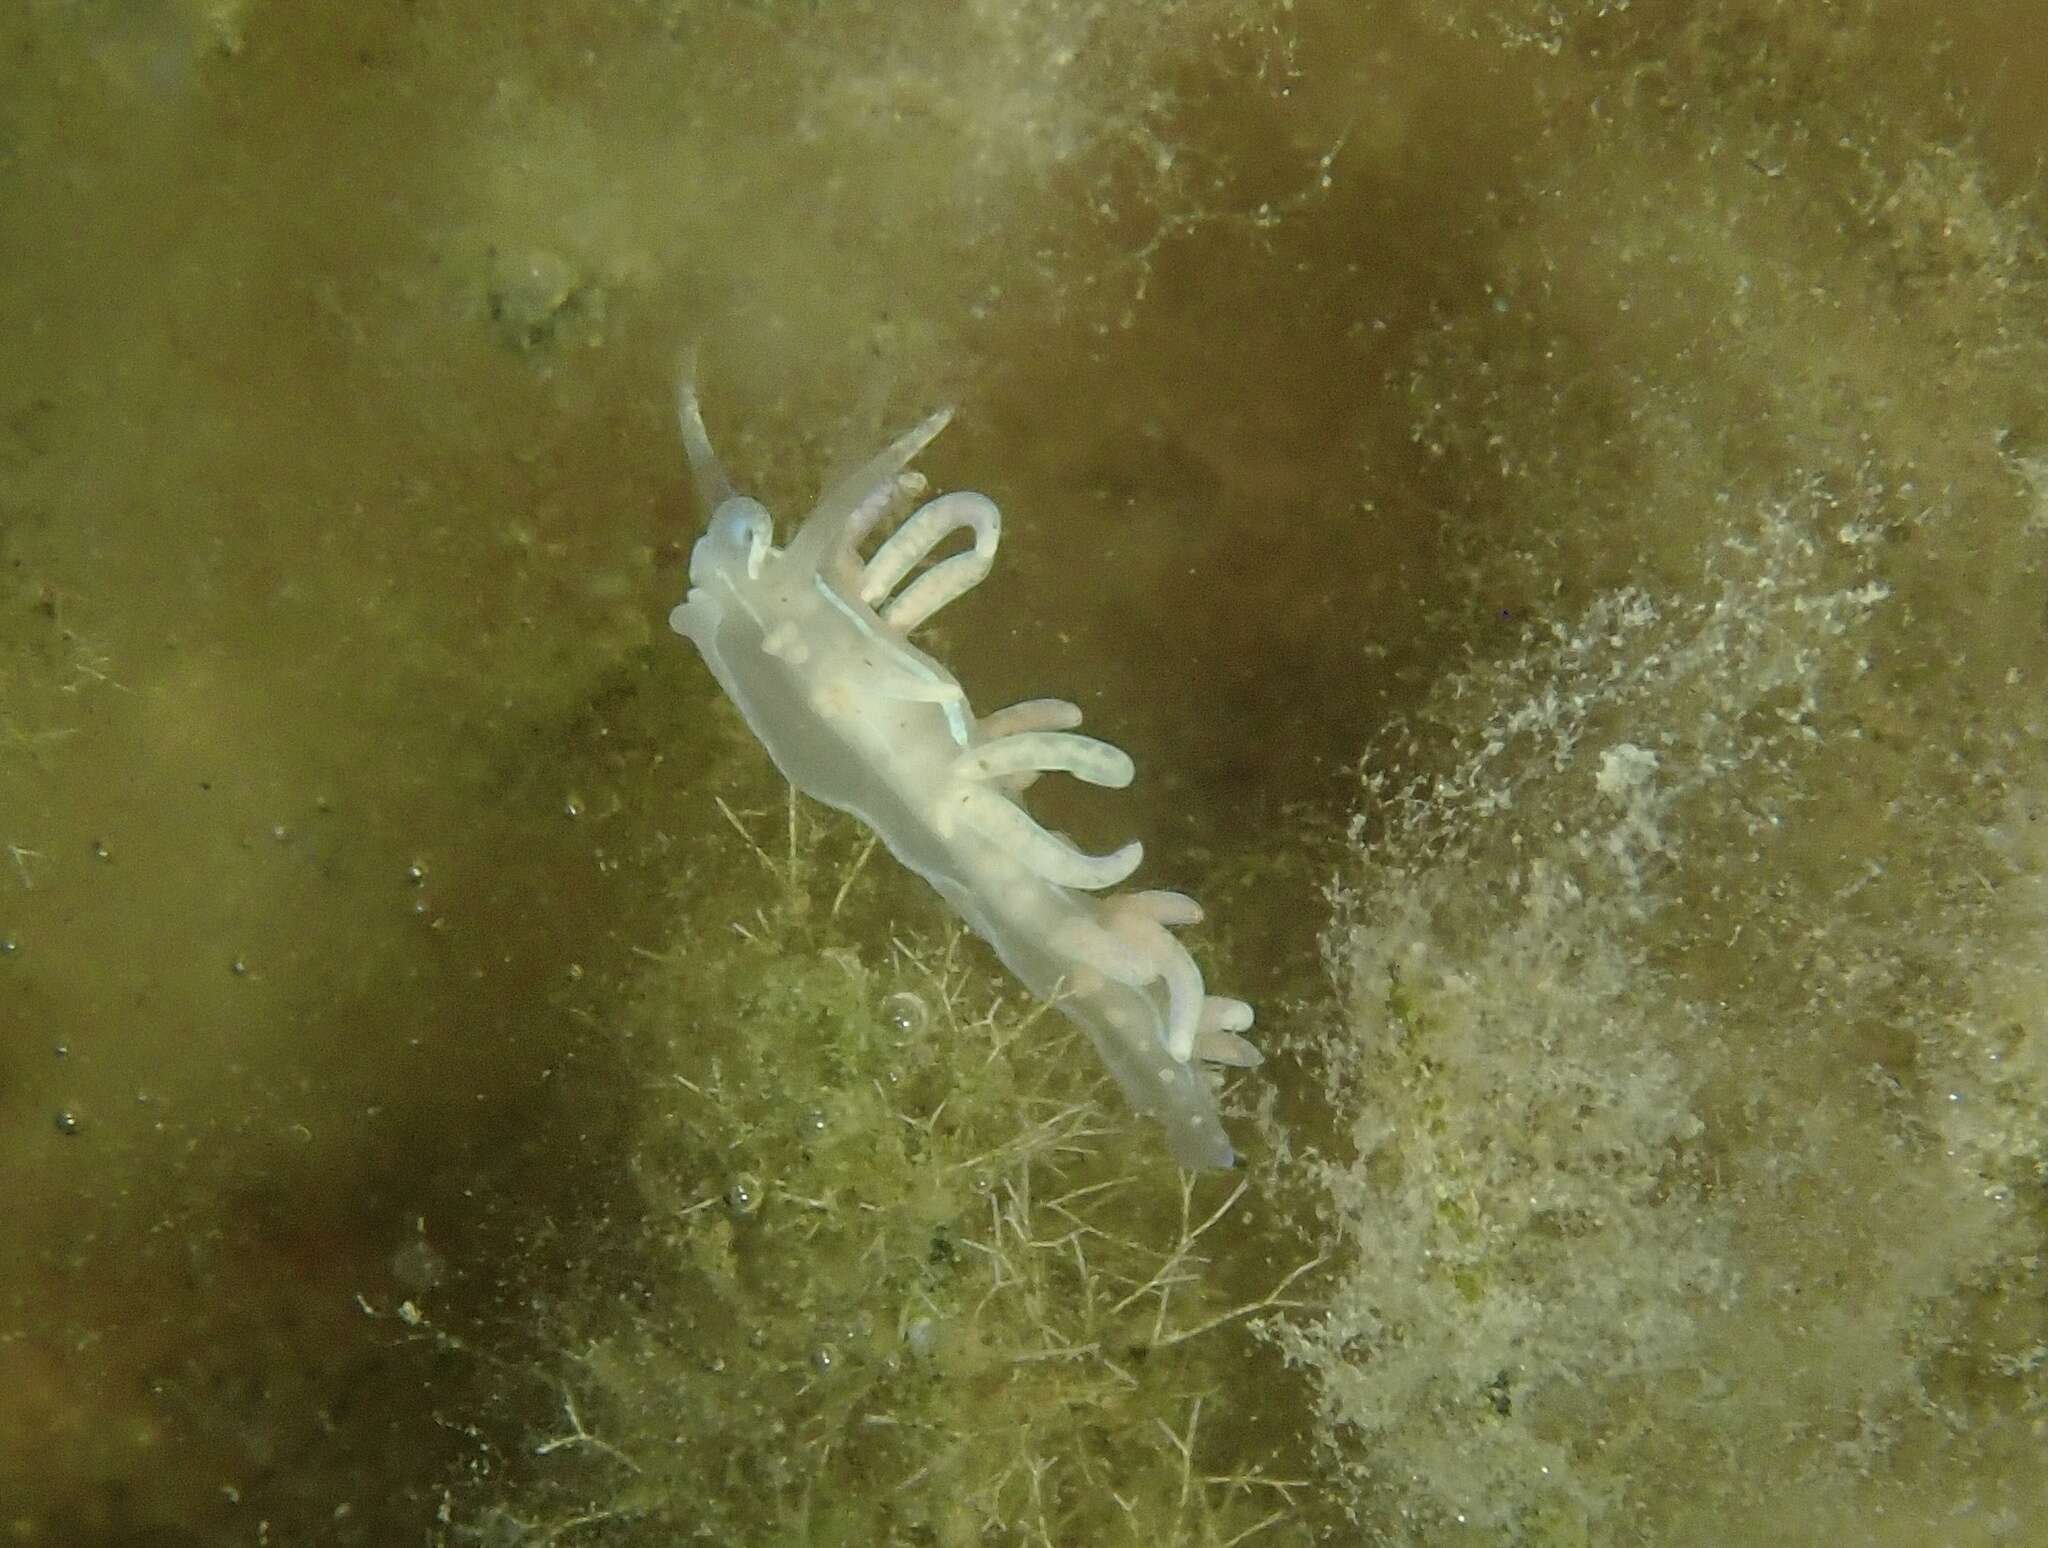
(906, 1273)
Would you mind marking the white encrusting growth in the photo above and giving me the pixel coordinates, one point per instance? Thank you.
(811, 642)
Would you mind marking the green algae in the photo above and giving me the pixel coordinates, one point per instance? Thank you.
(907, 1273)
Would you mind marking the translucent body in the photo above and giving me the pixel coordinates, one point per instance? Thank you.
(810, 646)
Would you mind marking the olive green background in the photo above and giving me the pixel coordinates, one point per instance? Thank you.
(1552, 495)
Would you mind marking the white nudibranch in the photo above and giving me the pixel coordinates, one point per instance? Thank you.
(811, 642)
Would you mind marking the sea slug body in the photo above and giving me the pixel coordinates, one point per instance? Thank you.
(812, 643)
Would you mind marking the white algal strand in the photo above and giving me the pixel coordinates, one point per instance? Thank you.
(812, 644)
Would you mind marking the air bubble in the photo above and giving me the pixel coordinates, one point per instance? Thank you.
(743, 1197)
(906, 1013)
